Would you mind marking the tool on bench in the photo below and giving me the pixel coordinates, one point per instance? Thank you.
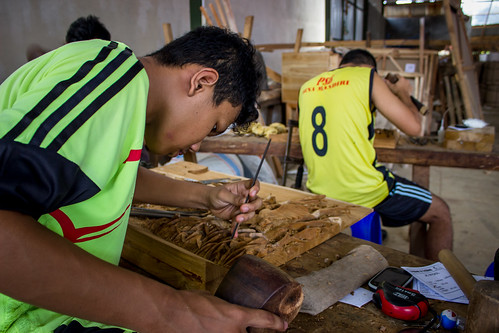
(327, 286)
(255, 177)
(423, 109)
(218, 180)
(147, 212)
(403, 303)
(483, 309)
(255, 283)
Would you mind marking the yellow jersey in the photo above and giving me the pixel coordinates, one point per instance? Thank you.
(336, 124)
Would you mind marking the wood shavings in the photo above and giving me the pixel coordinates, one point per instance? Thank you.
(278, 229)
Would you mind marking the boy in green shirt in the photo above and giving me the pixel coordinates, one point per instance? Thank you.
(73, 123)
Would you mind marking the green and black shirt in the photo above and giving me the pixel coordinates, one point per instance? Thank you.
(71, 133)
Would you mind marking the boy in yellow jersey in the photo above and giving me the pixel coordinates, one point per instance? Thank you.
(336, 122)
(72, 125)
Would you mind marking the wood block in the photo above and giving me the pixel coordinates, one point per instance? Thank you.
(170, 263)
(472, 139)
(185, 270)
(297, 68)
(386, 138)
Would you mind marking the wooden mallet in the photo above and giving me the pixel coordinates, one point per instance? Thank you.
(255, 283)
(483, 309)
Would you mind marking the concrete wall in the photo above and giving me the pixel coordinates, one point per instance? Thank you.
(138, 23)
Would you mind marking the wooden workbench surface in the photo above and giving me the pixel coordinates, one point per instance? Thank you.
(405, 152)
(346, 318)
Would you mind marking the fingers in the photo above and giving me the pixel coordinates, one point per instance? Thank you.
(253, 190)
(268, 320)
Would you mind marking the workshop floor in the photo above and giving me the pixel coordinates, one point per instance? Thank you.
(473, 198)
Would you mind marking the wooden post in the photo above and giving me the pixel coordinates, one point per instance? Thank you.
(222, 16)
(206, 16)
(462, 59)
(167, 32)
(450, 101)
(299, 35)
(215, 15)
(230, 16)
(248, 27)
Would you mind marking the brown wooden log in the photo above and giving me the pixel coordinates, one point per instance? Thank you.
(483, 310)
(254, 283)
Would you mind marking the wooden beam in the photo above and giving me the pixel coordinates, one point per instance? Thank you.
(299, 35)
(206, 16)
(167, 32)
(215, 15)
(462, 59)
(248, 27)
(221, 13)
(230, 16)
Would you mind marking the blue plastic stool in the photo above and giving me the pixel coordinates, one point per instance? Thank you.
(369, 228)
(490, 270)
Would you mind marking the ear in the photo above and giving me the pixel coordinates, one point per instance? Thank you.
(202, 79)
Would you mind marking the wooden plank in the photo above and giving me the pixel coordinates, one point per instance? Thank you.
(299, 36)
(167, 32)
(273, 74)
(231, 21)
(215, 15)
(180, 268)
(462, 58)
(457, 100)
(221, 13)
(206, 16)
(450, 101)
(248, 27)
(299, 67)
(405, 153)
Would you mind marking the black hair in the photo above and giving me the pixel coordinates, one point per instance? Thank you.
(359, 57)
(230, 55)
(85, 28)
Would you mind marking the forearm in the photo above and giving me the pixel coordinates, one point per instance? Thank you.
(155, 188)
(396, 105)
(48, 271)
(406, 99)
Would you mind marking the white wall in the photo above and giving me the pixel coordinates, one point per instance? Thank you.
(138, 23)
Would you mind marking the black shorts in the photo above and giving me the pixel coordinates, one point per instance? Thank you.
(406, 203)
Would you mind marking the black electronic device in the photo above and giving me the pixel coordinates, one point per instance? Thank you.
(394, 275)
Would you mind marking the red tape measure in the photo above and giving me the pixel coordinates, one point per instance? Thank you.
(401, 303)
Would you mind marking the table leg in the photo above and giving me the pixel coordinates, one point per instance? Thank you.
(417, 231)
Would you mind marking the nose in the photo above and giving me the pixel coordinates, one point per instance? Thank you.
(195, 147)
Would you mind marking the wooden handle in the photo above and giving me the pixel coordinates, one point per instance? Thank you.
(254, 283)
(457, 270)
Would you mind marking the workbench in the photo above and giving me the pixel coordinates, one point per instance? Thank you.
(339, 317)
(346, 318)
(343, 317)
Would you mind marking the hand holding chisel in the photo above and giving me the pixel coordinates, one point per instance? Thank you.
(255, 177)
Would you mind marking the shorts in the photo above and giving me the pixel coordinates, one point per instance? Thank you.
(405, 203)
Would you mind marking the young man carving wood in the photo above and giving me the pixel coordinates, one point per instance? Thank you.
(73, 123)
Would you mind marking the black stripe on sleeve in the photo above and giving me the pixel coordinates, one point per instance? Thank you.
(89, 111)
(57, 91)
(82, 93)
(35, 181)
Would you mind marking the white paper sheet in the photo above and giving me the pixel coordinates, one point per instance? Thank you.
(358, 297)
(435, 282)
